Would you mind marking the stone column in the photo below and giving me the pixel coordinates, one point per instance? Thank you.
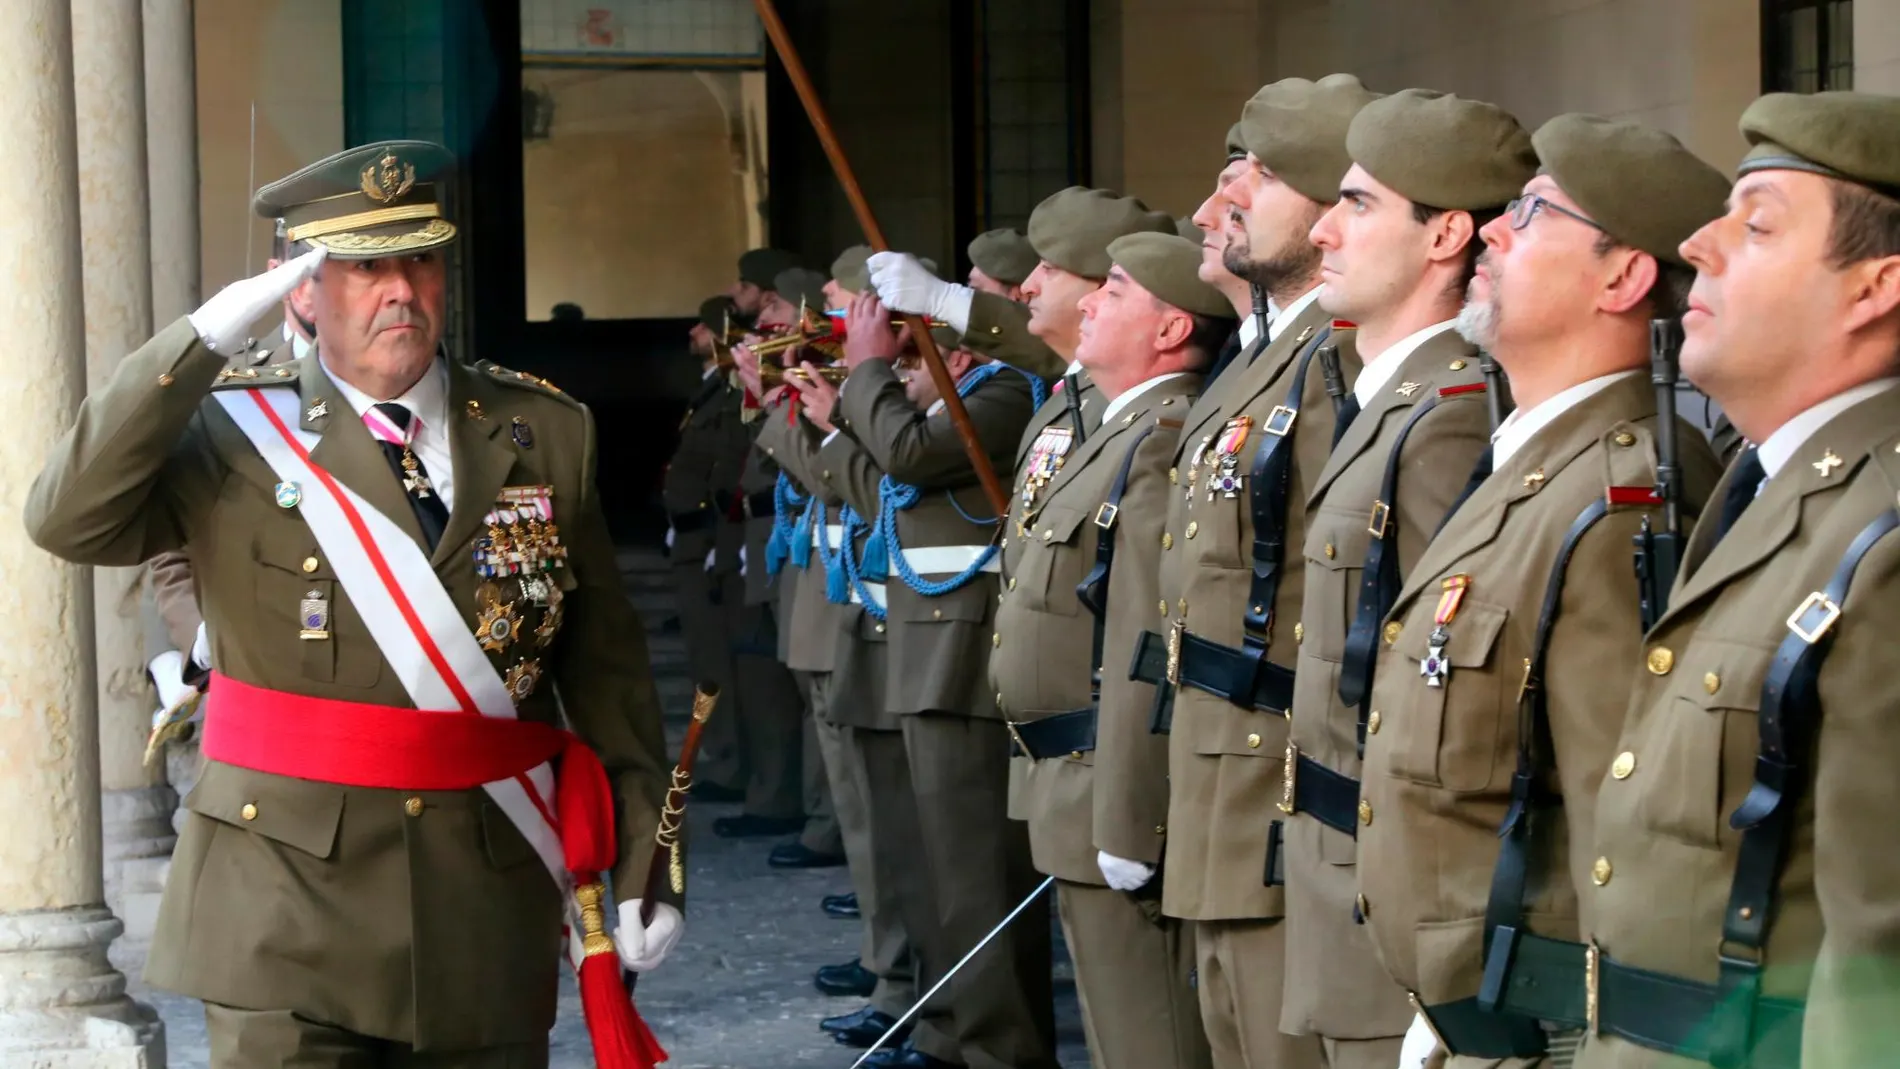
(115, 224)
(61, 1003)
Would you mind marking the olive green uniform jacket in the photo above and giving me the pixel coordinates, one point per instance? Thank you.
(1115, 797)
(1224, 760)
(1341, 991)
(435, 923)
(1439, 766)
(1666, 852)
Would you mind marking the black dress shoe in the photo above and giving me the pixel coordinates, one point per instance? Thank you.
(905, 1057)
(747, 826)
(708, 791)
(795, 855)
(863, 1028)
(843, 907)
(851, 978)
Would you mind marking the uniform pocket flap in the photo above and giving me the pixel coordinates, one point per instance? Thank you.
(506, 846)
(1344, 545)
(1720, 675)
(297, 813)
(1472, 633)
(295, 552)
(1058, 524)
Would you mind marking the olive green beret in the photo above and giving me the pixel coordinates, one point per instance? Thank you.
(715, 312)
(1638, 183)
(1854, 137)
(1169, 266)
(848, 269)
(1189, 229)
(1004, 254)
(1236, 145)
(366, 202)
(1443, 151)
(1298, 129)
(802, 284)
(1072, 229)
(761, 267)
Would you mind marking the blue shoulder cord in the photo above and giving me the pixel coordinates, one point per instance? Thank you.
(780, 544)
(893, 496)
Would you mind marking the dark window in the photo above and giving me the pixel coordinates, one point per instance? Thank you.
(1032, 121)
(1807, 45)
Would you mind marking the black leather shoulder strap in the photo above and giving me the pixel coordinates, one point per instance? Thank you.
(1092, 591)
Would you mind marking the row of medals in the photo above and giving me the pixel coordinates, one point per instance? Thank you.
(516, 557)
(1046, 455)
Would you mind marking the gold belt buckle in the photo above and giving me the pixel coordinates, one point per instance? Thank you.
(1592, 985)
(1174, 653)
(1287, 777)
(1380, 518)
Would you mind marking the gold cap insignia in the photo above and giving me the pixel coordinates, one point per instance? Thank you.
(388, 178)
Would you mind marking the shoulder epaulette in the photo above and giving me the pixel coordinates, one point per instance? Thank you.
(1629, 456)
(522, 380)
(240, 374)
(1169, 424)
(1461, 389)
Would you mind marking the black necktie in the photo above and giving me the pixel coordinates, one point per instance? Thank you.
(1741, 490)
(1343, 417)
(430, 512)
(1479, 473)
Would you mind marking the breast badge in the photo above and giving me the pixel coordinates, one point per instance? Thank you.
(1225, 458)
(518, 555)
(313, 613)
(1436, 667)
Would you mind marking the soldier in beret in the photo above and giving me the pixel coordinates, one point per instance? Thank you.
(999, 262)
(1533, 568)
(1741, 900)
(1396, 253)
(1228, 598)
(403, 900)
(1092, 779)
(1252, 307)
(758, 275)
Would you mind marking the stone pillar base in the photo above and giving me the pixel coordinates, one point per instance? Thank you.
(62, 1006)
(138, 840)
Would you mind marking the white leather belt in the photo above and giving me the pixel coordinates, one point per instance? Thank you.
(877, 595)
(949, 560)
(834, 535)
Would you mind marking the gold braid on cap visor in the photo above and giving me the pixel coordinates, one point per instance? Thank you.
(341, 224)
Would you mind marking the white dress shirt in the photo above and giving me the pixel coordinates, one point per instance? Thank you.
(1782, 445)
(428, 401)
(1122, 401)
(1250, 328)
(1380, 369)
(1520, 426)
(298, 347)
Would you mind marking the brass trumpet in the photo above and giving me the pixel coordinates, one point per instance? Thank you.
(772, 375)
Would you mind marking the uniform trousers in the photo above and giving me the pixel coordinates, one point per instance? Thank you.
(901, 887)
(1132, 969)
(705, 626)
(824, 825)
(769, 714)
(885, 949)
(281, 1039)
(979, 863)
(1241, 975)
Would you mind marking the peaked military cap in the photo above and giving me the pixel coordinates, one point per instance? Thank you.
(1443, 151)
(716, 312)
(848, 269)
(1071, 229)
(1636, 182)
(802, 284)
(1169, 266)
(1853, 137)
(1004, 254)
(382, 199)
(1298, 129)
(761, 267)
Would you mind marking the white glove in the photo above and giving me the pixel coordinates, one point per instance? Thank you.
(642, 949)
(222, 321)
(201, 649)
(742, 561)
(167, 671)
(710, 555)
(1419, 1044)
(669, 536)
(1123, 874)
(905, 285)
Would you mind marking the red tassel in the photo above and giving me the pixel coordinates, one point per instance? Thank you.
(621, 1037)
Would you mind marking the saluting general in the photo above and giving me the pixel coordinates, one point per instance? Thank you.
(406, 579)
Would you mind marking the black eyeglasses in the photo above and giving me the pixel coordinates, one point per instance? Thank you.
(1525, 208)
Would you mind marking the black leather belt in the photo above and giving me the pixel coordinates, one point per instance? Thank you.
(698, 519)
(1327, 796)
(1055, 736)
(1222, 671)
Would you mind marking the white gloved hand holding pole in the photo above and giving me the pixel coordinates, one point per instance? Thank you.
(1123, 874)
(223, 322)
(643, 947)
(1418, 1046)
(905, 285)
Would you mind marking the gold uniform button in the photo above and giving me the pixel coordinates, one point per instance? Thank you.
(1330, 551)
(412, 806)
(1193, 528)
(1012, 582)
(1253, 742)
(1711, 682)
(249, 812)
(880, 629)
(824, 475)
(1299, 633)
(311, 564)
(1365, 812)
(1372, 722)
(768, 451)
(1392, 632)
(1164, 607)
(1364, 907)
(1161, 829)
(1167, 540)
(166, 380)
(1174, 476)
(996, 639)
(1601, 872)
(1625, 439)
(1048, 533)
(1457, 365)
(936, 614)
(1661, 660)
(1624, 764)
